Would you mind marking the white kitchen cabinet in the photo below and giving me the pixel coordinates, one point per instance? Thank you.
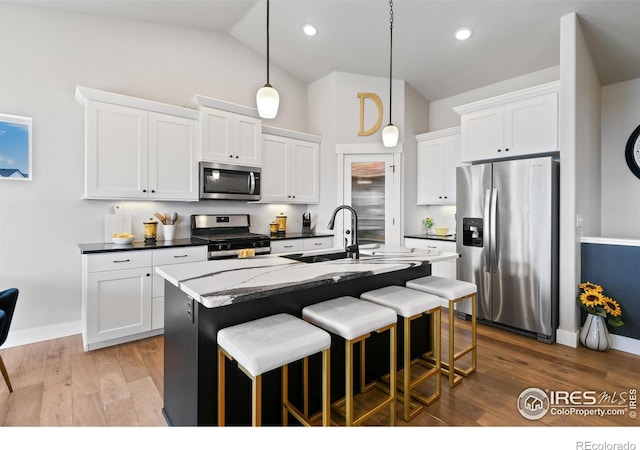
(513, 125)
(445, 269)
(136, 149)
(290, 167)
(317, 243)
(230, 138)
(122, 298)
(164, 257)
(438, 158)
(286, 246)
(116, 297)
(301, 244)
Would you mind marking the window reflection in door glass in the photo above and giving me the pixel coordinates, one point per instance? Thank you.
(367, 198)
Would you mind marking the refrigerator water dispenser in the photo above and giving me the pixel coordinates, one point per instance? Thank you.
(472, 232)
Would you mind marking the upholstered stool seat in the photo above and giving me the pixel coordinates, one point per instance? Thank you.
(262, 345)
(411, 304)
(354, 320)
(452, 291)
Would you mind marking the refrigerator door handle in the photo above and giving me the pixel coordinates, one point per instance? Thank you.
(486, 252)
(493, 244)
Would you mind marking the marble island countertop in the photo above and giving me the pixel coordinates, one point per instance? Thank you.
(227, 281)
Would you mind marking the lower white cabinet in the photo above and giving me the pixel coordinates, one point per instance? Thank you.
(301, 244)
(122, 298)
(445, 269)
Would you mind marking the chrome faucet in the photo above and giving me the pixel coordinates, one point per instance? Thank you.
(352, 250)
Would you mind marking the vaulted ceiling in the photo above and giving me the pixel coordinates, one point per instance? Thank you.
(510, 37)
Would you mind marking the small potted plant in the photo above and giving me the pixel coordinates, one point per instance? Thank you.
(428, 223)
(598, 306)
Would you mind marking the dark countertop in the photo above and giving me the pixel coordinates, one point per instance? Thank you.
(105, 247)
(433, 237)
(298, 235)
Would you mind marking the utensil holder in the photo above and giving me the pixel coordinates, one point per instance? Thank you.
(169, 232)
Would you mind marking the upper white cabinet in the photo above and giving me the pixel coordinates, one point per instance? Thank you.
(290, 167)
(512, 125)
(229, 133)
(438, 157)
(137, 149)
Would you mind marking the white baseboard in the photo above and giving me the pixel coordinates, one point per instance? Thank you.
(32, 335)
(625, 344)
(622, 343)
(568, 338)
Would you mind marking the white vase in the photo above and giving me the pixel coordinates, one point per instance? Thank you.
(594, 333)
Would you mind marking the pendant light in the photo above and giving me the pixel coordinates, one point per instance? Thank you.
(390, 132)
(267, 98)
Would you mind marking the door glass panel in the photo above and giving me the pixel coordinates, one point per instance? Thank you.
(368, 199)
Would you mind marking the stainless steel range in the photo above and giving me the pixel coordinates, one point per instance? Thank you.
(226, 234)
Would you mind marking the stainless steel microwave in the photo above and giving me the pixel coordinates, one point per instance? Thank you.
(229, 182)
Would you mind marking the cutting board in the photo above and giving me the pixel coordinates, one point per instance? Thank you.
(118, 222)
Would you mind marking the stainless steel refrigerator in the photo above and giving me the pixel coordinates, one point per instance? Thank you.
(507, 228)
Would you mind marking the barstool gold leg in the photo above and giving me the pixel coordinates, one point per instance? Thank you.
(221, 389)
(392, 373)
(326, 388)
(256, 401)
(284, 380)
(349, 383)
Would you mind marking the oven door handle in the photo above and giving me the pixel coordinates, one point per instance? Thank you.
(252, 183)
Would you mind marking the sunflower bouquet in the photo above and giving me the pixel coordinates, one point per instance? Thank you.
(593, 300)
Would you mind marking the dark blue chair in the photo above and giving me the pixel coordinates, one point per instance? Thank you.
(8, 299)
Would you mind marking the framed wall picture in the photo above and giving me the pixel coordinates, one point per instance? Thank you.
(15, 148)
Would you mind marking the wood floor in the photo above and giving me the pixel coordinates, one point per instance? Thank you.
(57, 384)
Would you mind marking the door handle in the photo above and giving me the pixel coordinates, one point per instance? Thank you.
(494, 230)
(252, 183)
(486, 252)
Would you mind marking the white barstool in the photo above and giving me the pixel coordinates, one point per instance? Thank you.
(411, 304)
(265, 344)
(452, 292)
(354, 320)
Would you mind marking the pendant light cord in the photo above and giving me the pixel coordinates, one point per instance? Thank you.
(390, 55)
(268, 44)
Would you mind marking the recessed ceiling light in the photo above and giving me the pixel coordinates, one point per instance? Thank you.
(309, 30)
(463, 33)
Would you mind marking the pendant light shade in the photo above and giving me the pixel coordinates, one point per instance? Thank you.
(267, 98)
(390, 133)
(268, 101)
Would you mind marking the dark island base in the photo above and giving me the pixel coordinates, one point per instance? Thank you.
(190, 353)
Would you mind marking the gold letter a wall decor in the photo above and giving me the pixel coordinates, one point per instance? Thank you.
(378, 102)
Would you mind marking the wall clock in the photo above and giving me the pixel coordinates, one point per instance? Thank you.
(632, 152)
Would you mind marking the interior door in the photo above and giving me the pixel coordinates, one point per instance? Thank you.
(370, 189)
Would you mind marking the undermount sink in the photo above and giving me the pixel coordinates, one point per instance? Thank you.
(316, 258)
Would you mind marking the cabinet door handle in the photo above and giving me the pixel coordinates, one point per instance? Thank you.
(148, 274)
(121, 261)
(144, 190)
(499, 150)
(288, 246)
(431, 246)
(153, 191)
(318, 243)
(506, 149)
(180, 256)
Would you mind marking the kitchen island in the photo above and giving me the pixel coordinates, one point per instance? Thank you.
(205, 297)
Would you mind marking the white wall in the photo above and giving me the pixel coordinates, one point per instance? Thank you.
(334, 113)
(620, 188)
(43, 56)
(442, 115)
(579, 125)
